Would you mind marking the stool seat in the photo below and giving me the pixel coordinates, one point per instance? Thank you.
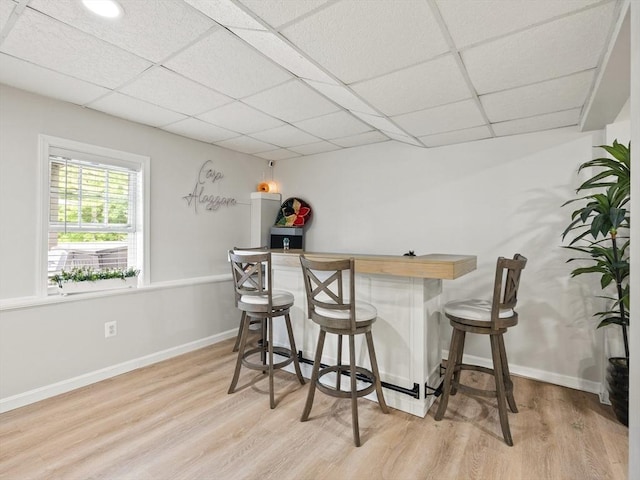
(365, 312)
(474, 309)
(280, 298)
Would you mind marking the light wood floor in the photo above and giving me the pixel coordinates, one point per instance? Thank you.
(174, 420)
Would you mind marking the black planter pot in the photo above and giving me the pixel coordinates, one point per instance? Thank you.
(618, 386)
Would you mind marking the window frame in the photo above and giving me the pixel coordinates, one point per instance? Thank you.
(120, 158)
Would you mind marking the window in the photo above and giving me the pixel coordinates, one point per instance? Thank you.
(95, 208)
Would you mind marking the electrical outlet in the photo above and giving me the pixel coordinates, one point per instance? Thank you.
(110, 329)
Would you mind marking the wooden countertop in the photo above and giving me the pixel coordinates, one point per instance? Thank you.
(434, 265)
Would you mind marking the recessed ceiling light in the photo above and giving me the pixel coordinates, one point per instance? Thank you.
(104, 8)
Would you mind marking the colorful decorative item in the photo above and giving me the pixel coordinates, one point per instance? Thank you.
(293, 213)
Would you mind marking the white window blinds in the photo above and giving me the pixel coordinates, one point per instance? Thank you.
(92, 212)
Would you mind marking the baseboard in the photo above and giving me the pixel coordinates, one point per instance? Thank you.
(535, 374)
(48, 391)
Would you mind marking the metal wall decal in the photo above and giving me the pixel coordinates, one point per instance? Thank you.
(201, 196)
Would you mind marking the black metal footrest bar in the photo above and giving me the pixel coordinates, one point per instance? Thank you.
(436, 391)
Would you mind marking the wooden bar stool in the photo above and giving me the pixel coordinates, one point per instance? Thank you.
(243, 316)
(485, 318)
(251, 272)
(335, 313)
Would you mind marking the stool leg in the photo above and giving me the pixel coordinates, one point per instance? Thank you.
(314, 377)
(339, 363)
(507, 376)
(243, 341)
(458, 358)
(500, 390)
(272, 401)
(294, 351)
(376, 372)
(448, 376)
(243, 318)
(354, 391)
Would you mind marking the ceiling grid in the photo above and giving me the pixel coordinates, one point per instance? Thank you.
(286, 78)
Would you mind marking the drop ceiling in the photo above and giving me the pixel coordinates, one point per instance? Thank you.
(284, 78)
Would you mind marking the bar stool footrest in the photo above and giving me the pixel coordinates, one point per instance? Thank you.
(282, 351)
(339, 370)
(480, 391)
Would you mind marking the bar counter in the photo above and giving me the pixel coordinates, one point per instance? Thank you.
(406, 292)
(434, 265)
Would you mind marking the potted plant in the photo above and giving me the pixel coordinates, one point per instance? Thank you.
(85, 279)
(600, 231)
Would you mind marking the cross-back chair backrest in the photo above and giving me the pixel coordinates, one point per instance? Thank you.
(251, 271)
(507, 282)
(325, 287)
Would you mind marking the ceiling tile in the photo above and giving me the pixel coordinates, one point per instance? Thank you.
(194, 128)
(381, 123)
(169, 90)
(359, 40)
(415, 88)
(342, 96)
(226, 13)
(362, 139)
(568, 45)
(136, 110)
(151, 29)
(239, 117)
(445, 118)
(27, 76)
(313, 148)
(550, 96)
(498, 17)
(280, 154)
(67, 50)
(246, 144)
(225, 63)
(279, 12)
(334, 125)
(285, 136)
(540, 122)
(459, 136)
(291, 102)
(278, 50)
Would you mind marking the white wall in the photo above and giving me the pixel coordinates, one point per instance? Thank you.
(488, 198)
(634, 337)
(48, 343)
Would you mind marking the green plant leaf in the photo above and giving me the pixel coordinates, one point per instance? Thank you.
(87, 274)
(612, 321)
